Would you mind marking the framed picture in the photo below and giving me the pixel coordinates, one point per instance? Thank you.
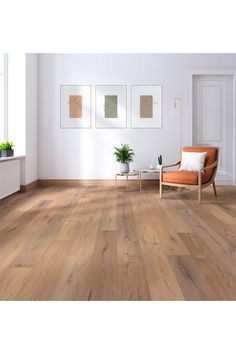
(75, 106)
(146, 107)
(111, 104)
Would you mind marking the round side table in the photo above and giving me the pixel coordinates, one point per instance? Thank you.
(145, 171)
(128, 188)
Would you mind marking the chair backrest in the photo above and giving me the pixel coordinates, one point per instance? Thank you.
(211, 157)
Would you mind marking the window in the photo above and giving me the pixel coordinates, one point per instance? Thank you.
(3, 97)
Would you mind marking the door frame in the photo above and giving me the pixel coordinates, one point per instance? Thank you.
(187, 132)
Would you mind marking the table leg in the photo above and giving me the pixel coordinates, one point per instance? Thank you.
(140, 181)
(126, 182)
(116, 181)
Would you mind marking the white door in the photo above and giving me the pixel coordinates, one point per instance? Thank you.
(213, 119)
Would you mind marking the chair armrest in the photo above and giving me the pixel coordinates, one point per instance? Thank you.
(166, 166)
(210, 166)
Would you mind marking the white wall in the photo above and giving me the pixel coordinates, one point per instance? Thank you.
(88, 153)
(31, 160)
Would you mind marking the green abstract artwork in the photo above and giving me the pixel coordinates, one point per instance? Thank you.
(110, 106)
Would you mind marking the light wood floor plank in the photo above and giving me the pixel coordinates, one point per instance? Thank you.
(95, 243)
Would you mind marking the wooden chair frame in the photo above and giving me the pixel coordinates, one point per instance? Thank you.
(199, 186)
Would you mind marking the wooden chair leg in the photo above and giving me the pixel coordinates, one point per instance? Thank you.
(161, 193)
(199, 187)
(214, 188)
(199, 194)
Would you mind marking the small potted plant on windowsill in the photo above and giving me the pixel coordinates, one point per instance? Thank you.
(124, 155)
(6, 149)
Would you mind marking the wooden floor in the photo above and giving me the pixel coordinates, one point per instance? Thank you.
(95, 243)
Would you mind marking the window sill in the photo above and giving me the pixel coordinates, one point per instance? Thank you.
(2, 159)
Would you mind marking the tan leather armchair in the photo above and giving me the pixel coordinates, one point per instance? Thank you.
(199, 179)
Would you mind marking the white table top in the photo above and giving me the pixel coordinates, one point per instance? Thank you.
(133, 173)
(147, 170)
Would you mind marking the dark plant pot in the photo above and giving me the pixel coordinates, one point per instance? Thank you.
(6, 153)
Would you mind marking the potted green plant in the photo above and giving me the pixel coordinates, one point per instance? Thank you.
(159, 159)
(6, 149)
(124, 155)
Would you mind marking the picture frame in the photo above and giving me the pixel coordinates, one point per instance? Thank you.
(146, 106)
(111, 106)
(75, 106)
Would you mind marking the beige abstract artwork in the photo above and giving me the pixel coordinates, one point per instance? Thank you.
(75, 106)
(146, 106)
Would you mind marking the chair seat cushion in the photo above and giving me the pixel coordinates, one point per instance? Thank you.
(184, 177)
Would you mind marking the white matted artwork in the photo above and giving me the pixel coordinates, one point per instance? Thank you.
(111, 106)
(146, 107)
(75, 106)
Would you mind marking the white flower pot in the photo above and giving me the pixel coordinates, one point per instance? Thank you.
(124, 168)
